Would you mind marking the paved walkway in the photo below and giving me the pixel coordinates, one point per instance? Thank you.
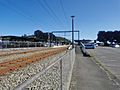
(89, 76)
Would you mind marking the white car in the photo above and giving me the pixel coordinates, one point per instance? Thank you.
(115, 46)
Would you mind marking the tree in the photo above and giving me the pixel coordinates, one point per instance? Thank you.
(39, 35)
(25, 35)
(46, 37)
(111, 36)
(101, 36)
(52, 36)
(117, 36)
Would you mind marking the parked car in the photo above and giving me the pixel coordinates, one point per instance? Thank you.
(115, 46)
(90, 46)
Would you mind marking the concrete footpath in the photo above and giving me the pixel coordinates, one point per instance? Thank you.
(87, 75)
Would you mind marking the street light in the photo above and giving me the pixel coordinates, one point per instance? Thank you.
(72, 31)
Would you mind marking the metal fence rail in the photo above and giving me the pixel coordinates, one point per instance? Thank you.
(65, 68)
(19, 44)
(23, 85)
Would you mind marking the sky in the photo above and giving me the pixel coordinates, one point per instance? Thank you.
(19, 17)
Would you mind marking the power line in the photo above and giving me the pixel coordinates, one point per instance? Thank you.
(51, 10)
(18, 10)
(17, 7)
(43, 6)
(61, 3)
(14, 8)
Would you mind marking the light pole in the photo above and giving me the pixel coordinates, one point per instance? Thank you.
(72, 31)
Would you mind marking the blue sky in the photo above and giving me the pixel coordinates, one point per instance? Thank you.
(18, 17)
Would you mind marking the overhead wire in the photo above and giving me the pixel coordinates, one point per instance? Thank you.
(46, 9)
(14, 8)
(18, 8)
(64, 13)
(49, 10)
(61, 3)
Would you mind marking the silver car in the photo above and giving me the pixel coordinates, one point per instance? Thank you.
(90, 46)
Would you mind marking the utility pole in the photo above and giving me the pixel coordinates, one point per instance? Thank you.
(49, 41)
(72, 31)
(78, 35)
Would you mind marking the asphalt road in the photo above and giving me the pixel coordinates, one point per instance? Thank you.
(87, 75)
(109, 57)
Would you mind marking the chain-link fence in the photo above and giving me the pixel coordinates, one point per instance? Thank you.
(56, 76)
(19, 44)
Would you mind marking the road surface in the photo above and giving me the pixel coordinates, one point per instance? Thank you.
(109, 57)
(87, 75)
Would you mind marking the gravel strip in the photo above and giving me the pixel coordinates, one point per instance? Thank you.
(51, 79)
(13, 79)
(18, 51)
(48, 81)
(22, 55)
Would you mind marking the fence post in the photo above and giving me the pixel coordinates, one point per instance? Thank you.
(6, 45)
(35, 44)
(61, 74)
